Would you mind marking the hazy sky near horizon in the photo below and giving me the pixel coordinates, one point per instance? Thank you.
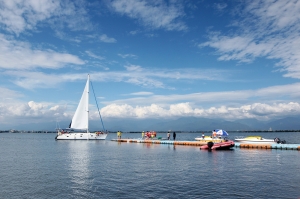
(149, 59)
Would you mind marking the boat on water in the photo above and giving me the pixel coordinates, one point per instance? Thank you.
(258, 139)
(218, 145)
(209, 139)
(79, 126)
(218, 135)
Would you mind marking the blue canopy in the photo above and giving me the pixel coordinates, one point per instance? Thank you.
(221, 132)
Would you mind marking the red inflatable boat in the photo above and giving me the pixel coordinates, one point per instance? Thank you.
(219, 145)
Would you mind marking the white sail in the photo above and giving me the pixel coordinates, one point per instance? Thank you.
(81, 118)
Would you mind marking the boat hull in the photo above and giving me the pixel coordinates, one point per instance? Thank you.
(81, 136)
(254, 141)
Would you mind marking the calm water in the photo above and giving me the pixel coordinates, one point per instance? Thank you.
(37, 166)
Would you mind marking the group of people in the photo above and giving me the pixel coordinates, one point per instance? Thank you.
(149, 134)
(174, 135)
(152, 134)
(213, 135)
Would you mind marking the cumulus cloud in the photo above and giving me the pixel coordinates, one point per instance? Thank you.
(43, 111)
(148, 105)
(20, 112)
(265, 29)
(153, 14)
(256, 110)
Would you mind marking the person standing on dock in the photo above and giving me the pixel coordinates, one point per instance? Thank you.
(168, 135)
(119, 134)
(174, 135)
(143, 135)
(203, 136)
(214, 134)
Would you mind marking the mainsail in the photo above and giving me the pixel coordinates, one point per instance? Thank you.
(81, 117)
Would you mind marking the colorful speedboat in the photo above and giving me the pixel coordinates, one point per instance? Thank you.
(257, 139)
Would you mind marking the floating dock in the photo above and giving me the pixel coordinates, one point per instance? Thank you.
(268, 146)
(201, 143)
(171, 142)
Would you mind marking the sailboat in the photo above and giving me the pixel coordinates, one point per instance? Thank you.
(79, 126)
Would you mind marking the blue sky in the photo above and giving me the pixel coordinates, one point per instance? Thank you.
(149, 59)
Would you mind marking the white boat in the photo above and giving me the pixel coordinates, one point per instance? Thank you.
(257, 139)
(218, 135)
(208, 139)
(79, 126)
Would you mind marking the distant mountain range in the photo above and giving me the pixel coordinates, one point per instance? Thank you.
(179, 124)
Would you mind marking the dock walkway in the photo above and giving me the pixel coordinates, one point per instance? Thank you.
(171, 142)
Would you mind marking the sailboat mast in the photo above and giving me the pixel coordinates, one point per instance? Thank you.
(87, 108)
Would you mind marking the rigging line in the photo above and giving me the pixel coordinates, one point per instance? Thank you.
(98, 107)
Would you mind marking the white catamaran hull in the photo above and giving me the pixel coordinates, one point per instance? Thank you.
(81, 136)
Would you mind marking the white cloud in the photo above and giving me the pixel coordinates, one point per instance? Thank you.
(268, 29)
(21, 112)
(256, 110)
(134, 74)
(8, 95)
(134, 32)
(91, 54)
(21, 55)
(274, 94)
(45, 112)
(127, 55)
(153, 14)
(106, 39)
(32, 80)
(17, 16)
(220, 6)
(276, 15)
(134, 68)
(142, 93)
(206, 105)
(20, 15)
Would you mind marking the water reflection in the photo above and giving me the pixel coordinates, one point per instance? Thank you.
(278, 158)
(79, 172)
